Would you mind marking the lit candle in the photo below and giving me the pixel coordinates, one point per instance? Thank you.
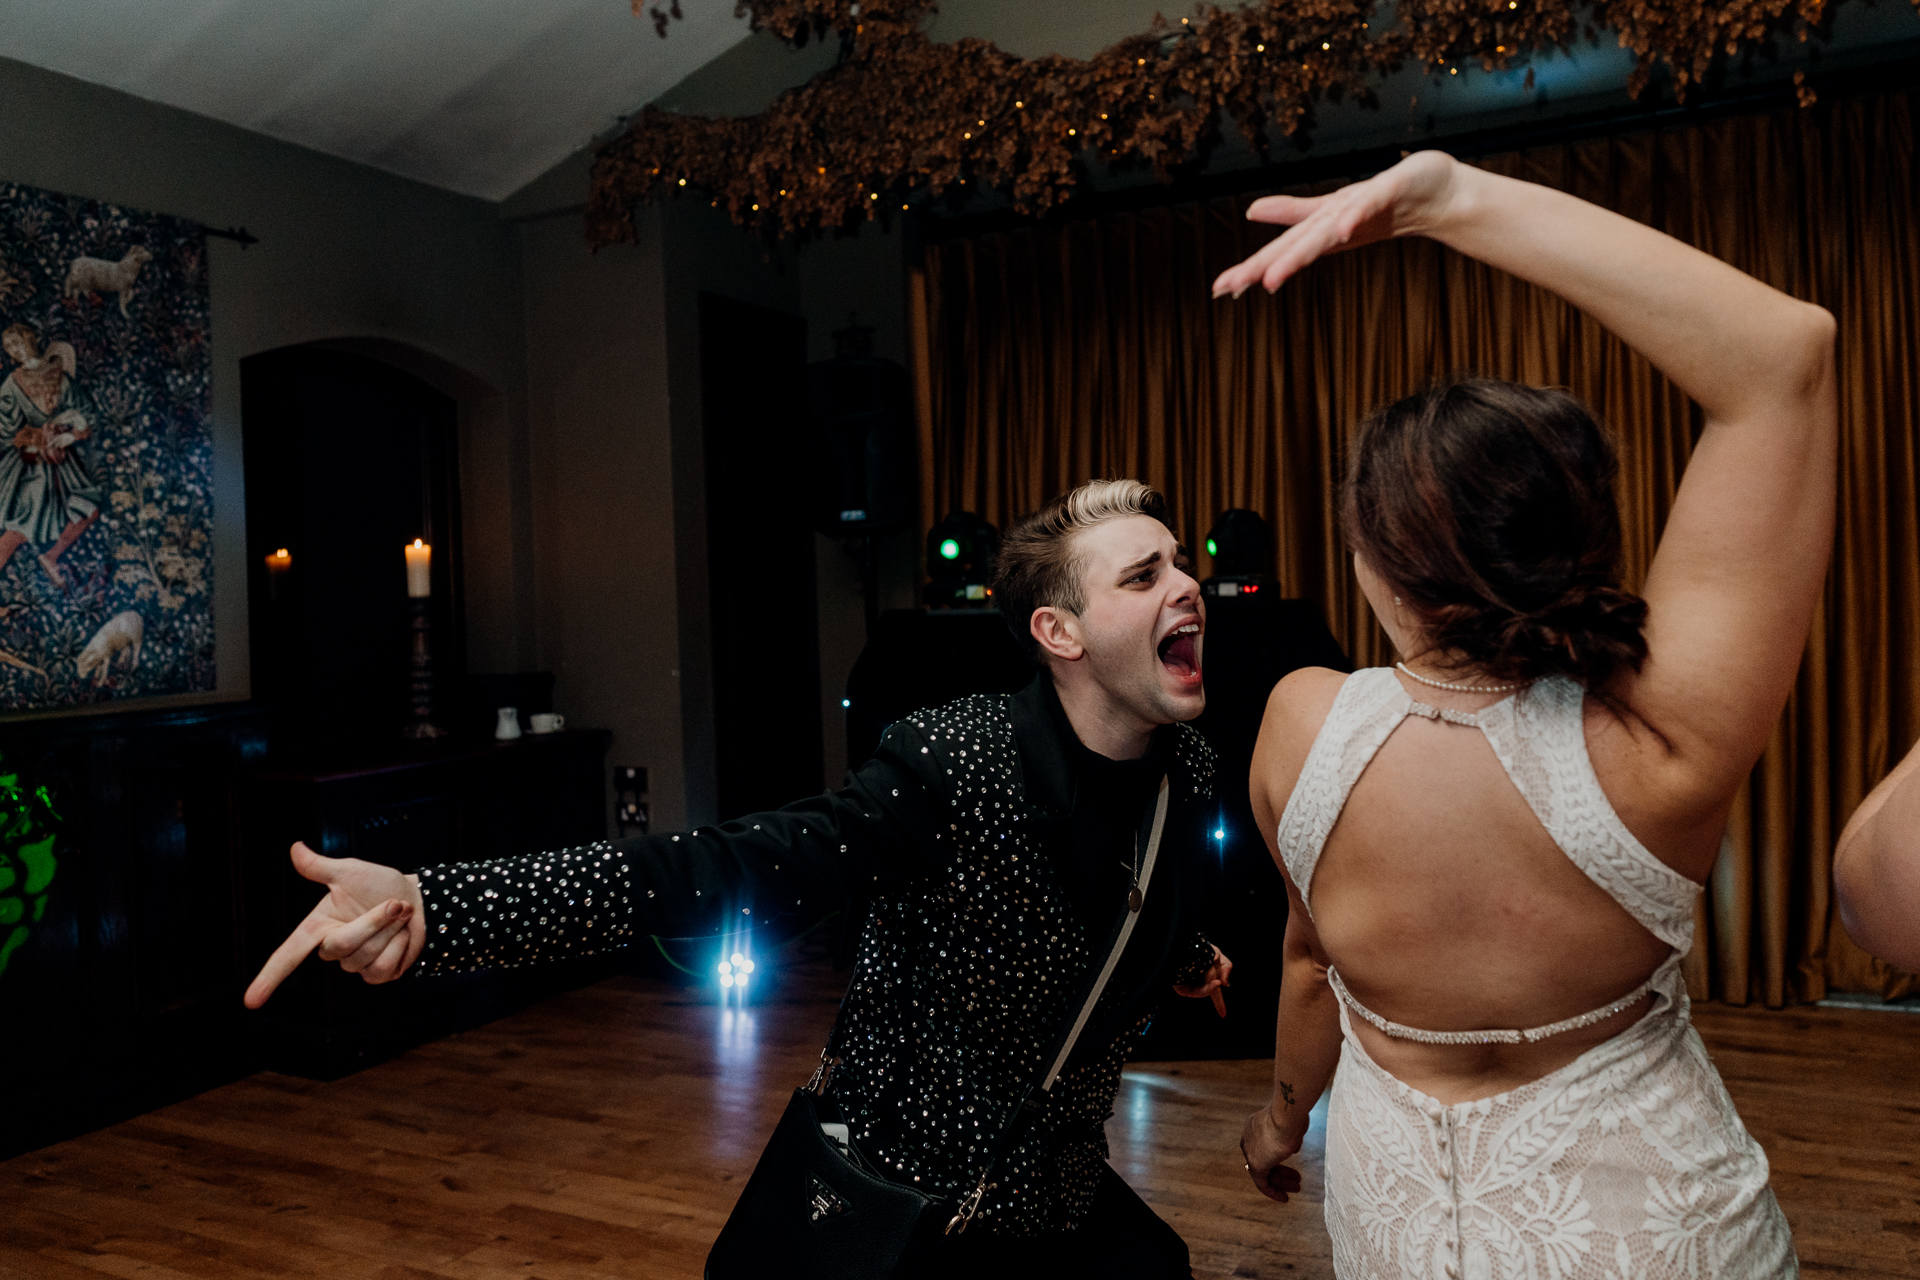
(279, 562)
(419, 557)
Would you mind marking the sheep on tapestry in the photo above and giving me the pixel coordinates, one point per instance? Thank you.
(97, 275)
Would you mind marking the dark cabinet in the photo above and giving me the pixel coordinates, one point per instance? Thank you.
(415, 808)
(172, 884)
(126, 992)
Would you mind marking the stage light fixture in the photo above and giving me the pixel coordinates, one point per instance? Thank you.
(733, 969)
(1240, 545)
(960, 553)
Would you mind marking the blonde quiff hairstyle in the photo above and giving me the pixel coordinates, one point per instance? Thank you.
(1037, 565)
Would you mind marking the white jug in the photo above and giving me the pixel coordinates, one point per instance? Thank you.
(509, 726)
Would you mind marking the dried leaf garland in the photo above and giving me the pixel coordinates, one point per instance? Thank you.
(902, 117)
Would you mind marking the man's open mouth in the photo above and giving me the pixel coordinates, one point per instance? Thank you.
(1180, 651)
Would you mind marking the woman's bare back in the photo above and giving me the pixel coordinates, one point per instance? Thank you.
(1444, 903)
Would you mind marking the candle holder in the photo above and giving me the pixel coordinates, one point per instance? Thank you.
(420, 720)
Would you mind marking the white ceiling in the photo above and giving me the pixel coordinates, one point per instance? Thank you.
(477, 96)
(483, 96)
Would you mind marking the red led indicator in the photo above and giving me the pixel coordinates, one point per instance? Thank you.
(1250, 588)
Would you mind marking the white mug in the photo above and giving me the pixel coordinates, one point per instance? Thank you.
(508, 727)
(547, 722)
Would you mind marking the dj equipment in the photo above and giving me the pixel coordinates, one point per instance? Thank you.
(859, 410)
(960, 551)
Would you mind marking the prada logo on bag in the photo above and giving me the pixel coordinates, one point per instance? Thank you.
(825, 1202)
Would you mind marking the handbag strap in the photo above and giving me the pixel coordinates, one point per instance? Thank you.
(1069, 1037)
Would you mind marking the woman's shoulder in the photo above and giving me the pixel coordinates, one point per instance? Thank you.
(1296, 710)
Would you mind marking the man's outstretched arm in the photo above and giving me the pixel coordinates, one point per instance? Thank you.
(801, 860)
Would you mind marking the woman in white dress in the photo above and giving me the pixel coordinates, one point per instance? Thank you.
(1493, 850)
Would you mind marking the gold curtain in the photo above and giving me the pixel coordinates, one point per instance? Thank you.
(1051, 355)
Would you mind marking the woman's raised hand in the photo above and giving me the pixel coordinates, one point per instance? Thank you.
(372, 921)
(1407, 199)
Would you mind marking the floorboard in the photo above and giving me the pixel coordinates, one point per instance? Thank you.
(606, 1133)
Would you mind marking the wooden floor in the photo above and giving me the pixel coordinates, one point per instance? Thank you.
(606, 1133)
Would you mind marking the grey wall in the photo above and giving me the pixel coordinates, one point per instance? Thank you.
(600, 458)
(345, 252)
(578, 376)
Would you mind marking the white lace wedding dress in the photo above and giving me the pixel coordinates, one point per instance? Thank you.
(1629, 1162)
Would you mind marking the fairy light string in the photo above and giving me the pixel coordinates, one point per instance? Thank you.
(901, 117)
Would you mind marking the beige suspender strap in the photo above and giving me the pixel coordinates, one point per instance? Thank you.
(1120, 943)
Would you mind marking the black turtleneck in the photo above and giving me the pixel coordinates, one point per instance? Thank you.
(1111, 804)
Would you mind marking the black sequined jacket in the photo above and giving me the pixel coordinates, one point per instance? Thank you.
(957, 831)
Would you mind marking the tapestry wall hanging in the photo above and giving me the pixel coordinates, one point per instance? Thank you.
(106, 456)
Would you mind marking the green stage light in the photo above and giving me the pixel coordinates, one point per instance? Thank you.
(950, 550)
(1213, 548)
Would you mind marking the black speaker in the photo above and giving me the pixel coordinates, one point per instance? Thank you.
(860, 409)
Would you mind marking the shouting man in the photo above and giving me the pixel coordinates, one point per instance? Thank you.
(998, 839)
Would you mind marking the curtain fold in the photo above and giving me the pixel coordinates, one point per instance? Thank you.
(1055, 354)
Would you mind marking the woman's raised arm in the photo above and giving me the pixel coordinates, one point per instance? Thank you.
(1733, 586)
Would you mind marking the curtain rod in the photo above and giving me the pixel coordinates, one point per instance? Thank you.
(239, 235)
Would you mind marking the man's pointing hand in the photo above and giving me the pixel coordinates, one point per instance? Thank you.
(372, 921)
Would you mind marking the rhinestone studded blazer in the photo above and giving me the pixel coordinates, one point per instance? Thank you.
(957, 833)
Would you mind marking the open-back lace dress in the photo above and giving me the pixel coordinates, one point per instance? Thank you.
(1628, 1162)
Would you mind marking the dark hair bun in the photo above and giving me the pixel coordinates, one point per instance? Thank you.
(1589, 634)
(1490, 507)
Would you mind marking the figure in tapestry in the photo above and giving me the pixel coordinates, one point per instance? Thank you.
(47, 490)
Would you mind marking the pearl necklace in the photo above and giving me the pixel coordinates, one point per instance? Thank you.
(1462, 688)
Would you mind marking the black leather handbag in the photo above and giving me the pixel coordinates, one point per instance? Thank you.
(816, 1210)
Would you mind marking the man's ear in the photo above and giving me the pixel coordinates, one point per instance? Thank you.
(1057, 632)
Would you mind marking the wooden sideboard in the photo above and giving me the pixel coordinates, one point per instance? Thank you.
(408, 808)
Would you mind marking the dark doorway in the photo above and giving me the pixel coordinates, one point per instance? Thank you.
(347, 461)
(766, 650)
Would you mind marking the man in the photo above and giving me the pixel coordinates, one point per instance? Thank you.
(999, 839)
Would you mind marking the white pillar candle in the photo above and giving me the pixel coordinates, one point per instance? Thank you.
(419, 559)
